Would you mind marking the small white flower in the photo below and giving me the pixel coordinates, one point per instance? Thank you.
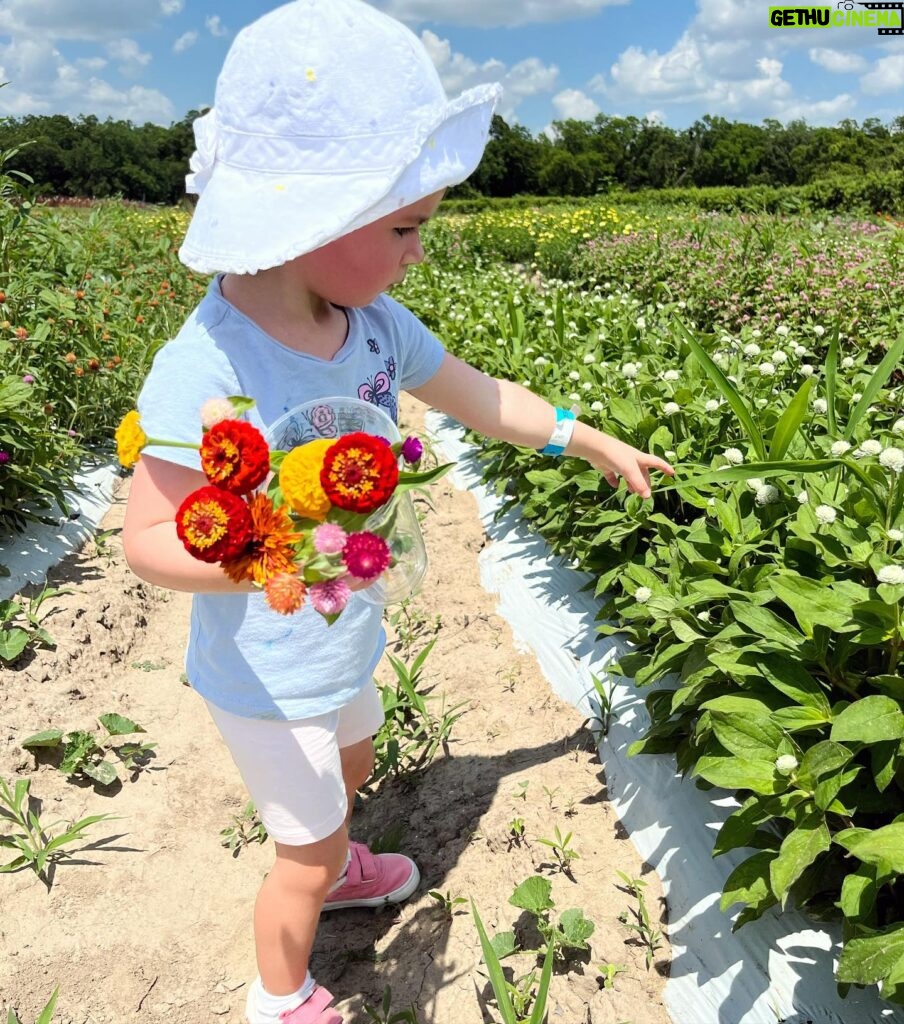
(752, 349)
(216, 409)
(574, 397)
(820, 406)
(766, 495)
(641, 323)
(896, 535)
(839, 448)
(586, 386)
(671, 408)
(767, 369)
(803, 498)
(892, 458)
(574, 375)
(734, 455)
(779, 357)
(754, 483)
(642, 595)
(893, 574)
(783, 330)
(629, 370)
(671, 375)
(825, 514)
(756, 333)
(596, 407)
(847, 363)
(856, 396)
(806, 370)
(868, 447)
(898, 426)
(785, 764)
(541, 361)
(589, 358)
(500, 342)
(712, 405)
(819, 330)
(703, 616)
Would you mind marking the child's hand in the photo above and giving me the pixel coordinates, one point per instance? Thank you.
(614, 459)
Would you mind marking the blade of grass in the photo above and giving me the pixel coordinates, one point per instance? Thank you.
(831, 380)
(790, 421)
(538, 1014)
(874, 385)
(494, 969)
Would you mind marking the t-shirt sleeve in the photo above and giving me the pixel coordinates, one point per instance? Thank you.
(421, 351)
(183, 376)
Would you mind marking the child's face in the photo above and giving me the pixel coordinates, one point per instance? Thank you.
(355, 269)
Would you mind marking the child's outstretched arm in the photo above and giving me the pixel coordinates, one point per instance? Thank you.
(503, 409)
(152, 548)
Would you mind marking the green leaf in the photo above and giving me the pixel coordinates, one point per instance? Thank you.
(538, 1013)
(749, 736)
(794, 681)
(12, 643)
(504, 944)
(874, 385)
(116, 725)
(103, 772)
(790, 420)
(800, 847)
(869, 720)
(763, 622)
(831, 367)
(764, 470)
(749, 882)
(881, 846)
(799, 719)
(866, 961)
(724, 385)
(494, 969)
(47, 738)
(533, 894)
(814, 604)
(576, 928)
(79, 745)
(758, 775)
(46, 1014)
(823, 758)
(858, 893)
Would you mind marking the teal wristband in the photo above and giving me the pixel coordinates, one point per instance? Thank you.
(561, 433)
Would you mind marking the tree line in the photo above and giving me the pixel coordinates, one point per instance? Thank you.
(88, 157)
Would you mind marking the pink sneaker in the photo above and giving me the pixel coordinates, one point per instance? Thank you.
(374, 879)
(314, 1010)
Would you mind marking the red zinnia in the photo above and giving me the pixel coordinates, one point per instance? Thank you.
(365, 555)
(213, 524)
(359, 473)
(235, 456)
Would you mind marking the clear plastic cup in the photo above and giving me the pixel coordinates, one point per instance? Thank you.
(397, 520)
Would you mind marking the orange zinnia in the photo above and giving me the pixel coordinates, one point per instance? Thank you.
(272, 546)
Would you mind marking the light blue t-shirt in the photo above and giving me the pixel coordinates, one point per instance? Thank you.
(242, 656)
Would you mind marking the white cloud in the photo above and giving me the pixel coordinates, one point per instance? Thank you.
(130, 58)
(886, 76)
(837, 61)
(572, 103)
(185, 42)
(170, 7)
(487, 13)
(457, 72)
(215, 26)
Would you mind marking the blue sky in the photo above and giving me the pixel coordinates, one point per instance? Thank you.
(671, 60)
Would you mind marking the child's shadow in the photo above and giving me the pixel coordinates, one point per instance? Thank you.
(437, 818)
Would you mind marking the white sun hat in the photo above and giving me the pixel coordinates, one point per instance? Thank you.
(328, 115)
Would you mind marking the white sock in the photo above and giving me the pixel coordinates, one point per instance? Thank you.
(340, 881)
(263, 1008)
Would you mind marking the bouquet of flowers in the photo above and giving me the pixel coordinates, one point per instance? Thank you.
(305, 521)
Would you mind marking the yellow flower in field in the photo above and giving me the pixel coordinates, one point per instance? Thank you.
(299, 479)
(130, 439)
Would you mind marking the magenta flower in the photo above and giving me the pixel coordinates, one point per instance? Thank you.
(329, 597)
(329, 538)
(365, 555)
(4, 457)
(412, 449)
(28, 379)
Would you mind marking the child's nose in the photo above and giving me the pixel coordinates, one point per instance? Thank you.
(415, 253)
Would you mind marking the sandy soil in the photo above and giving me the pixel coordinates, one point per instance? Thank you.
(148, 918)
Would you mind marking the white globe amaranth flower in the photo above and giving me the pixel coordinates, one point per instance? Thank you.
(783, 330)
(825, 514)
(642, 595)
(803, 498)
(785, 764)
(754, 483)
(541, 361)
(671, 408)
(586, 386)
(893, 574)
(756, 333)
(895, 535)
(856, 396)
(734, 455)
(819, 330)
(766, 369)
(574, 397)
(574, 375)
(216, 409)
(752, 349)
(641, 323)
(703, 616)
(892, 459)
(672, 375)
(868, 447)
(630, 370)
(767, 495)
(712, 405)
(839, 448)
(898, 426)
(500, 342)
(847, 363)
(596, 407)
(807, 370)
(779, 357)
(589, 358)
(820, 406)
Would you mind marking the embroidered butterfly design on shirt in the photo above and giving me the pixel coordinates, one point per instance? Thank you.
(378, 391)
(373, 346)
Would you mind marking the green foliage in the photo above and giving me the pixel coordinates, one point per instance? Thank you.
(246, 828)
(385, 1014)
(44, 1017)
(21, 623)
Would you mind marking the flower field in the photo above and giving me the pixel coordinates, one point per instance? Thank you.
(761, 590)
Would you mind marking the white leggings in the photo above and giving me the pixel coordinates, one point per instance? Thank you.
(293, 770)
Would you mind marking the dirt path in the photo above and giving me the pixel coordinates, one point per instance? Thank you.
(149, 920)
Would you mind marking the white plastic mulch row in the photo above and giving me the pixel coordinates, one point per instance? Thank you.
(777, 969)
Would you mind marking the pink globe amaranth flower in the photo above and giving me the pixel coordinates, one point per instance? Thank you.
(4, 457)
(28, 379)
(329, 538)
(365, 555)
(412, 449)
(329, 597)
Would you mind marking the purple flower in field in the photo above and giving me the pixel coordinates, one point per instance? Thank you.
(28, 379)
(4, 457)
(412, 449)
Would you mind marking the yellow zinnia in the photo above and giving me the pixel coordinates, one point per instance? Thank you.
(130, 439)
(299, 479)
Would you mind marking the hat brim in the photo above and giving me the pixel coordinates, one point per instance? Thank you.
(246, 221)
